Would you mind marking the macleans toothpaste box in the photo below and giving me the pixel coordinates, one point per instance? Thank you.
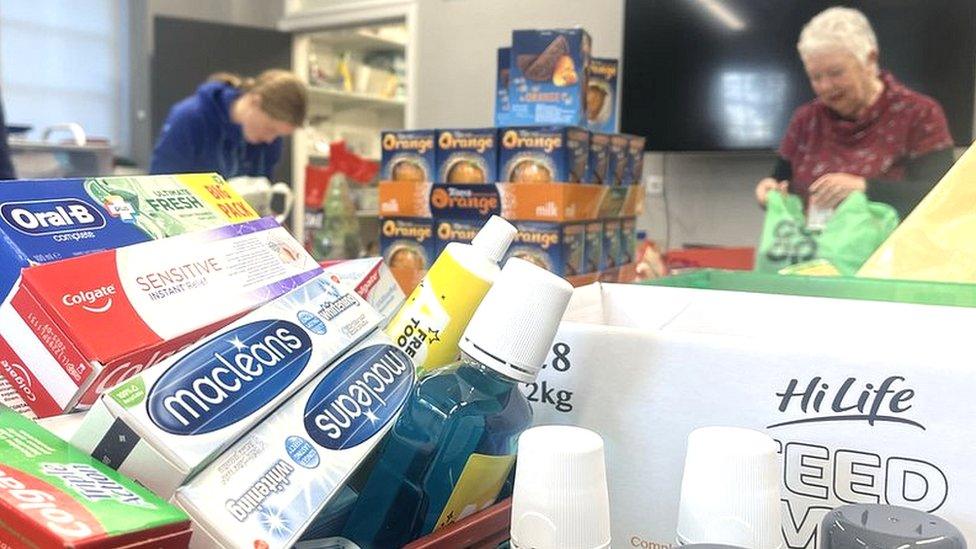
(76, 327)
(266, 489)
(163, 425)
(372, 280)
(52, 495)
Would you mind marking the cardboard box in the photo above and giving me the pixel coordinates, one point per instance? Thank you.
(372, 280)
(408, 156)
(76, 327)
(297, 460)
(467, 155)
(601, 95)
(544, 154)
(635, 148)
(557, 247)
(599, 162)
(174, 418)
(455, 230)
(548, 71)
(867, 402)
(503, 105)
(408, 243)
(619, 169)
(52, 495)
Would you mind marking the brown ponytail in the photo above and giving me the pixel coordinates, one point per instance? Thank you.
(283, 95)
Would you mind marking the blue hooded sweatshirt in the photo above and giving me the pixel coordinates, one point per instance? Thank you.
(198, 136)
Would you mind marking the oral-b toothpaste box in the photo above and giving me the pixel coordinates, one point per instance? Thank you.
(76, 327)
(165, 424)
(48, 220)
(266, 489)
(52, 495)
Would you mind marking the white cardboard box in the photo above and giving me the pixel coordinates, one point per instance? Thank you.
(644, 366)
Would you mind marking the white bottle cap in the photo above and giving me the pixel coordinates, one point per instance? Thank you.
(730, 489)
(495, 238)
(512, 329)
(560, 496)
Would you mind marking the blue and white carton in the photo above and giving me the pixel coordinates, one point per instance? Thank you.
(167, 423)
(268, 487)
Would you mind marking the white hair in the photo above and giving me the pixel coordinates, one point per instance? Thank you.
(837, 27)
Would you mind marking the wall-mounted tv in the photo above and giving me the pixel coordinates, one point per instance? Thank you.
(717, 75)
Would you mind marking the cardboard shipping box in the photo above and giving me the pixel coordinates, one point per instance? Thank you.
(869, 401)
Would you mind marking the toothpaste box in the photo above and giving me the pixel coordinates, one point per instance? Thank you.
(635, 149)
(76, 327)
(407, 243)
(372, 280)
(52, 495)
(165, 424)
(599, 160)
(549, 69)
(408, 156)
(543, 154)
(601, 95)
(467, 155)
(455, 230)
(557, 247)
(48, 220)
(266, 489)
(593, 249)
(619, 168)
(628, 240)
(611, 243)
(503, 105)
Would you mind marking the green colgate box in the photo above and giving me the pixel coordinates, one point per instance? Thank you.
(52, 495)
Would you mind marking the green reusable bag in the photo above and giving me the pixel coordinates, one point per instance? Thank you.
(847, 240)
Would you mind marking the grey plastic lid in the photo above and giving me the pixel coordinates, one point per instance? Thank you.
(873, 526)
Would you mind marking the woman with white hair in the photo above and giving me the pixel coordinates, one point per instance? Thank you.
(864, 131)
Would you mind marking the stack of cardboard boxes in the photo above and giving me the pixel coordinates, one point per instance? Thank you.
(551, 165)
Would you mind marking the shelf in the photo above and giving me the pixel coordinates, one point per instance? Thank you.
(361, 40)
(354, 99)
(368, 213)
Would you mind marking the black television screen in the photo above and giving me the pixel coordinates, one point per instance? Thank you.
(709, 75)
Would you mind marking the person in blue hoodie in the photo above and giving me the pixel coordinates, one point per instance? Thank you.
(231, 125)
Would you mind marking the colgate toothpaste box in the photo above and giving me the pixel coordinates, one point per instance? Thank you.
(372, 280)
(76, 327)
(52, 495)
(266, 489)
(163, 425)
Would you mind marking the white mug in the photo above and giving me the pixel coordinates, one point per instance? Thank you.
(259, 191)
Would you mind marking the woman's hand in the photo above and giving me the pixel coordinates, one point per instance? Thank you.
(769, 184)
(830, 190)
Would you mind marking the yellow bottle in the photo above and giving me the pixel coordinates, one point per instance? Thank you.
(429, 325)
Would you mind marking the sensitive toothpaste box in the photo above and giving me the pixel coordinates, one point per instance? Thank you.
(76, 327)
(267, 488)
(867, 403)
(543, 154)
(52, 495)
(168, 422)
(548, 71)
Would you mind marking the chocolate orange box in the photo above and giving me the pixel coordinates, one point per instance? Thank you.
(601, 95)
(557, 247)
(407, 243)
(408, 156)
(599, 161)
(548, 71)
(543, 154)
(619, 168)
(466, 156)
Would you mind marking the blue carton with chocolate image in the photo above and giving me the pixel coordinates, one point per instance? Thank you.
(601, 95)
(545, 154)
(467, 156)
(408, 156)
(408, 243)
(557, 247)
(548, 73)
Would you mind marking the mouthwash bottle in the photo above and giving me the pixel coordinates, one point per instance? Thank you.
(453, 446)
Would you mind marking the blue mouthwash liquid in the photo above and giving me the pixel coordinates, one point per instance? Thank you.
(456, 436)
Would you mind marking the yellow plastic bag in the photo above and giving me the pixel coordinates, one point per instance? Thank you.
(937, 241)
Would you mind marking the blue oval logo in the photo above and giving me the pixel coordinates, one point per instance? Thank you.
(302, 452)
(228, 377)
(52, 216)
(312, 322)
(359, 396)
